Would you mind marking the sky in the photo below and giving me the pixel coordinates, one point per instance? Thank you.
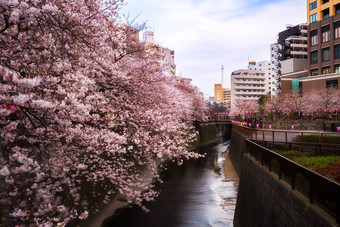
(206, 34)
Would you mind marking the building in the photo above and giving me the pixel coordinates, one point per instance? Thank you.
(222, 94)
(251, 83)
(184, 80)
(323, 19)
(212, 99)
(218, 92)
(289, 54)
(323, 39)
(227, 95)
(166, 56)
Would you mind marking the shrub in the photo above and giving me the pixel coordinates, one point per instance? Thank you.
(291, 154)
(317, 161)
(331, 171)
(328, 166)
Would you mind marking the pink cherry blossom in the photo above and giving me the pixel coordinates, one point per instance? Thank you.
(84, 110)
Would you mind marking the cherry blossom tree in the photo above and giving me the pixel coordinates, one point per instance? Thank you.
(324, 100)
(84, 108)
(296, 101)
(275, 104)
(242, 106)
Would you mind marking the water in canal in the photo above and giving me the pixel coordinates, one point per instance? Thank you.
(193, 194)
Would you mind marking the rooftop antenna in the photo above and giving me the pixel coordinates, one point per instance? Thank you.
(222, 75)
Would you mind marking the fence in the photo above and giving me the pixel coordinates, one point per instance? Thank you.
(278, 135)
(284, 140)
(318, 189)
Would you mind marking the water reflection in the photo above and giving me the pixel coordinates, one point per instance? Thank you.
(194, 194)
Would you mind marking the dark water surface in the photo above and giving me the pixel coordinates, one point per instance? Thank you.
(193, 194)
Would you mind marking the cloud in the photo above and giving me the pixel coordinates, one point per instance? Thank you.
(206, 34)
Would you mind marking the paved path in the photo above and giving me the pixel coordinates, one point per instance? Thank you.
(284, 135)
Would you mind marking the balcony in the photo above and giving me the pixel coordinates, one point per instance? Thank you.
(251, 82)
(277, 84)
(277, 63)
(240, 87)
(301, 38)
(299, 45)
(263, 92)
(294, 52)
(278, 71)
(249, 77)
(277, 56)
(248, 98)
(276, 77)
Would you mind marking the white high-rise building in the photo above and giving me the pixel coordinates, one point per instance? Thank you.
(166, 56)
(148, 36)
(289, 54)
(251, 83)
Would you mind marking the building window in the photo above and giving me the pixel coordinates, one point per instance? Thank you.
(337, 9)
(337, 30)
(332, 84)
(325, 34)
(314, 72)
(325, 1)
(326, 54)
(337, 69)
(300, 87)
(314, 37)
(314, 57)
(326, 70)
(313, 5)
(337, 51)
(325, 14)
(313, 18)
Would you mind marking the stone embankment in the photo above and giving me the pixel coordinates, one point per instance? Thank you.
(265, 200)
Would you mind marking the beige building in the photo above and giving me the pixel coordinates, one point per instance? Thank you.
(227, 94)
(222, 94)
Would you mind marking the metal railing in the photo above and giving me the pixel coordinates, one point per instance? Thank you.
(284, 140)
(320, 190)
(278, 135)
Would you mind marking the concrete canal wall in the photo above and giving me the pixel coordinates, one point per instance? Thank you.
(264, 200)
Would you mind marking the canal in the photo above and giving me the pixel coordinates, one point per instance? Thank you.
(193, 194)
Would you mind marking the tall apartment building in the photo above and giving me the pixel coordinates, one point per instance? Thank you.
(323, 38)
(166, 56)
(289, 54)
(251, 83)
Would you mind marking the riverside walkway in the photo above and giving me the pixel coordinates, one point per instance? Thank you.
(279, 135)
(290, 140)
